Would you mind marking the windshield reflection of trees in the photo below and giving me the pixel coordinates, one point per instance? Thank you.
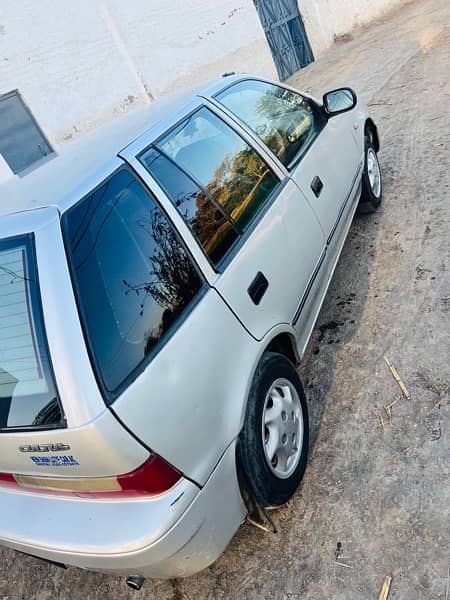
(173, 280)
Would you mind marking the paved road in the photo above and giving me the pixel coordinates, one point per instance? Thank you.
(378, 484)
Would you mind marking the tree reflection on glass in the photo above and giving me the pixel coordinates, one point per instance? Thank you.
(230, 178)
(285, 120)
(213, 230)
(172, 279)
(240, 184)
(133, 276)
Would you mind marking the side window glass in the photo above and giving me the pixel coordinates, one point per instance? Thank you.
(222, 163)
(285, 121)
(132, 277)
(214, 231)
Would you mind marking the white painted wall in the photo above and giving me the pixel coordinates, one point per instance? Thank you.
(325, 19)
(181, 42)
(79, 63)
(5, 171)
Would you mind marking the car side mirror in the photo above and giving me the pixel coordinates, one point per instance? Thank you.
(339, 101)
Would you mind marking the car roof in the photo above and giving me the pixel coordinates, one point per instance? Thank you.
(82, 164)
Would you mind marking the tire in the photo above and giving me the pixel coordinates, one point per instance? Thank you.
(371, 193)
(276, 390)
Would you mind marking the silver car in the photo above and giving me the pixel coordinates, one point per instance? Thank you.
(159, 282)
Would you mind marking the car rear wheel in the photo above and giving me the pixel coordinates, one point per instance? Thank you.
(273, 444)
(372, 186)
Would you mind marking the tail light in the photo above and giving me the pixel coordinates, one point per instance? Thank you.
(154, 477)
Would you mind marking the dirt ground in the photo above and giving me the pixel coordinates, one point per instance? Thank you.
(377, 490)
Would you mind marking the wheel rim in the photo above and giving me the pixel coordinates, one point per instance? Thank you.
(282, 428)
(373, 172)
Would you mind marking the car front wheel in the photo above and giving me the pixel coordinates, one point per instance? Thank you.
(372, 187)
(273, 444)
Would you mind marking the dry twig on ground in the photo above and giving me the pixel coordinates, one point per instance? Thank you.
(396, 376)
(385, 588)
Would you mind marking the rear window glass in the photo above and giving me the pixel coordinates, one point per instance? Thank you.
(132, 277)
(206, 219)
(221, 162)
(28, 395)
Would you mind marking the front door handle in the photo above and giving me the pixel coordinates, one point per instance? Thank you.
(258, 288)
(317, 186)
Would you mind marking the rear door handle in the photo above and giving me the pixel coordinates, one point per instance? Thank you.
(258, 288)
(317, 186)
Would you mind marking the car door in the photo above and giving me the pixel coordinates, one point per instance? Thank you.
(321, 155)
(327, 173)
(244, 213)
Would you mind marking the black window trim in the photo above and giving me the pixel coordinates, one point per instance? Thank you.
(109, 396)
(243, 235)
(303, 150)
(28, 239)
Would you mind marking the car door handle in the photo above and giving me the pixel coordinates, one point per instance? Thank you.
(258, 288)
(317, 186)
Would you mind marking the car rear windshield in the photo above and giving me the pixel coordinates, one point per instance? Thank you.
(133, 278)
(28, 397)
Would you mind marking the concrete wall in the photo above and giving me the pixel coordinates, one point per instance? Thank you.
(77, 64)
(325, 19)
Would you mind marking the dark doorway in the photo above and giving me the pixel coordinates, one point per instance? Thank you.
(286, 35)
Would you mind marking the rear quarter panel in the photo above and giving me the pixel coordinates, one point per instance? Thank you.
(188, 403)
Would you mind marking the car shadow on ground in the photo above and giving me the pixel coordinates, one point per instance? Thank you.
(340, 317)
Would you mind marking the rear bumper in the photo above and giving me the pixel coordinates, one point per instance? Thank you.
(172, 535)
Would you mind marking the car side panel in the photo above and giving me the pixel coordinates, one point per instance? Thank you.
(306, 318)
(283, 243)
(187, 405)
(284, 246)
(334, 158)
